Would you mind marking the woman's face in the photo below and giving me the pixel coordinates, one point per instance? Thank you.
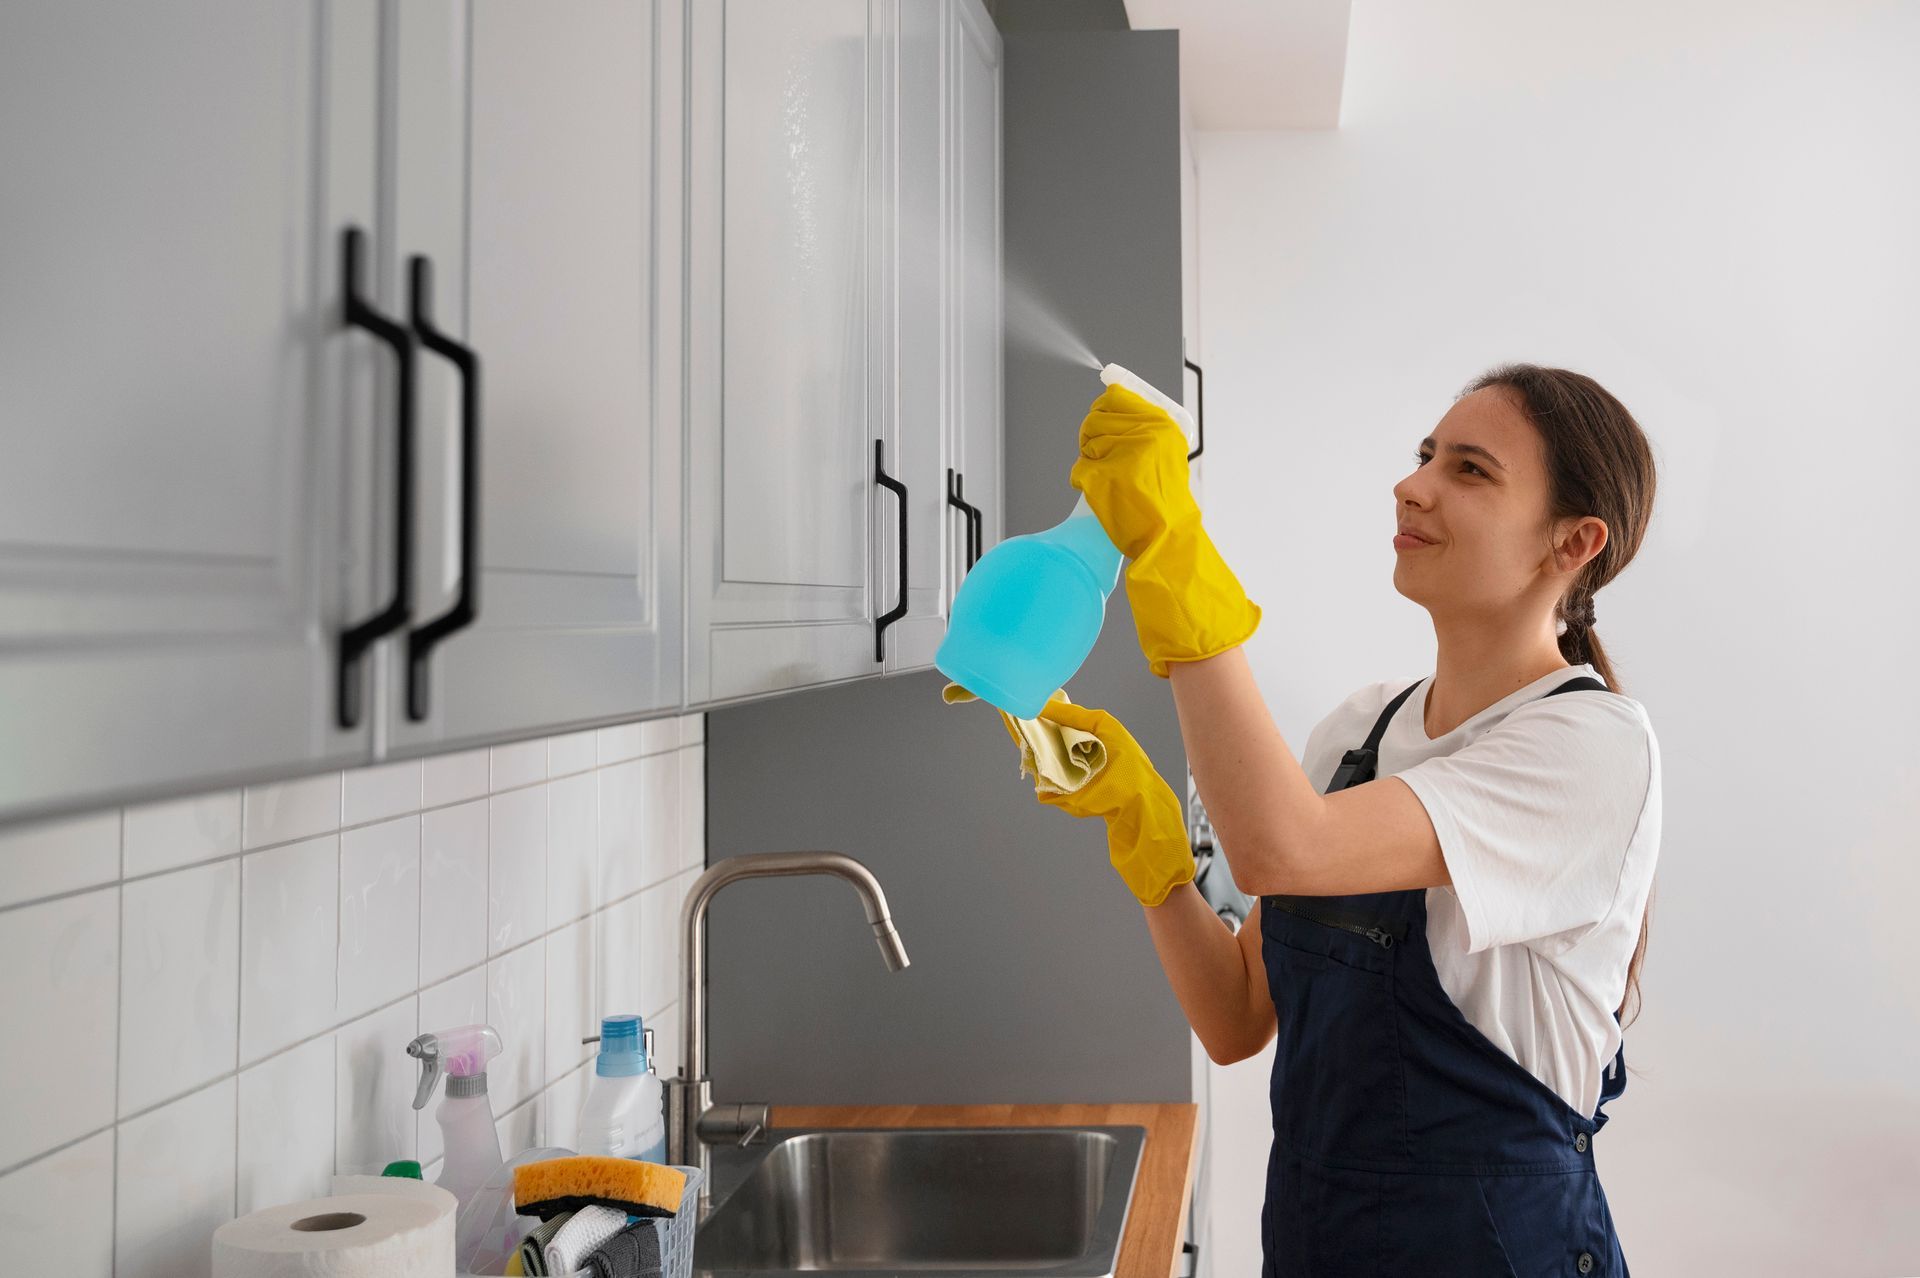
(1478, 494)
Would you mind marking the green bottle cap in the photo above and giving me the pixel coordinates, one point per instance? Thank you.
(404, 1168)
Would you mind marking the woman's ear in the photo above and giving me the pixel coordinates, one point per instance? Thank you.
(1577, 541)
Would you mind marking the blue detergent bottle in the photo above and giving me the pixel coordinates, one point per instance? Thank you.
(1029, 612)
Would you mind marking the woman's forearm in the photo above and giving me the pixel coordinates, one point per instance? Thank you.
(1258, 798)
(1207, 969)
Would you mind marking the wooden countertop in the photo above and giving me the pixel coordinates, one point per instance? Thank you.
(1150, 1247)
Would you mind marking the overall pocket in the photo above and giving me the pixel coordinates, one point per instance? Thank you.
(1324, 1222)
(1548, 1221)
(1338, 1088)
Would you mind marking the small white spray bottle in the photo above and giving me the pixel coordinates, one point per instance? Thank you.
(466, 1114)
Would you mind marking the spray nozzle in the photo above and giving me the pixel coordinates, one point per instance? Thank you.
(1114, 375)
(458, 1053)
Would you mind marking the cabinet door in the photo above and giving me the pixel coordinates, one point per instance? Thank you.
(180, 396)
(978, 406)
(538, 146)
(783, 389)
(916, 323)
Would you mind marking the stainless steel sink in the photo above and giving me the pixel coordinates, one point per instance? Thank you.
(1010, 1201)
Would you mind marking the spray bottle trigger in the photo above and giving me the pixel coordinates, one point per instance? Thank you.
(425, 1049)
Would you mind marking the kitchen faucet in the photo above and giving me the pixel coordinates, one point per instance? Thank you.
(693, 1120)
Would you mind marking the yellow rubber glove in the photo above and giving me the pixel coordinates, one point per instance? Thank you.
(1187, 604)
(1146, 823)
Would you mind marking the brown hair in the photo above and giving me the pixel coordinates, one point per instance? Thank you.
(1599, 463)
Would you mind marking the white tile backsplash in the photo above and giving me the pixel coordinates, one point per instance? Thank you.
(453, 890)
(289, 810)
(571, 1005)
(174, 1185)
(517, 1008)
(51, 857)
(58, 1006)
(166, 836)
(286, 1127)
(192, 1030)
(618, 743)
(179, 982)
(575, 752)
(379, 915)
(373, 794)
(61, 1197)
(573, 834)
(521, 763)
(450, 778)
(516, 867)
(622, 868)
(659, 818)
(289, 939)
(373, 1086)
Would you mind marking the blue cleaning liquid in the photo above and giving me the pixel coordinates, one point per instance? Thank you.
(1028, 614)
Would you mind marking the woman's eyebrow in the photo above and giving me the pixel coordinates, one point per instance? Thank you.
(1472, 449)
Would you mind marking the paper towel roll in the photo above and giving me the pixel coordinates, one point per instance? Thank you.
(381, 1235)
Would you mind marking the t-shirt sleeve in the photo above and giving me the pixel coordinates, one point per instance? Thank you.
(1535, 817)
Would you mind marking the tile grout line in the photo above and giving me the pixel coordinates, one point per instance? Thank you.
(244, 851)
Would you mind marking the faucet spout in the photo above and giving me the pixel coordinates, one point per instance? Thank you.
(689, 1095)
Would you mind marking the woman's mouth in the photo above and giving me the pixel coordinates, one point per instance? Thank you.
(1408, 541)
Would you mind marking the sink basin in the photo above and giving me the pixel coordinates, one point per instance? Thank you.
(1010, 1201)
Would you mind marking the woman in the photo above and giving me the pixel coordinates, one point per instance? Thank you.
(1452, 880)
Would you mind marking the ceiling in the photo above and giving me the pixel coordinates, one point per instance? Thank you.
(1256, 64)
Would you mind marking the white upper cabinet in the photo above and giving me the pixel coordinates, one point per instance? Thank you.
(539, 150)
(825, 335)
(784, 385)
(917, 320)
(976, 332)
(181, 395)
(378, 377)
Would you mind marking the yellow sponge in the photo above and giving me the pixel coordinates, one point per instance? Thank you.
(545, 1189)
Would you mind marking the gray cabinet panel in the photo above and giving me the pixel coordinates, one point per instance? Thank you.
(558, 243)
(917, 319)
(782, 374)
(181, 397)
(979, 407)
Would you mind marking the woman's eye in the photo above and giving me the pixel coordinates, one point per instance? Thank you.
(1420, 459)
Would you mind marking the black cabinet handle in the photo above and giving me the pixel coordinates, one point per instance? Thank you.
(356, 639)
(423, 639)
(1199, 410)
(899, 610)
(956, 497)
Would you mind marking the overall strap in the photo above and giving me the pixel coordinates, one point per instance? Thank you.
(1356, 765)
(1613, 1082)
(1585, 683)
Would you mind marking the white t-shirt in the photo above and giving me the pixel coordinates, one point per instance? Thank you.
(1548, 812)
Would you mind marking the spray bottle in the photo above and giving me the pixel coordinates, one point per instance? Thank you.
(466, 1114)
(1028, 613)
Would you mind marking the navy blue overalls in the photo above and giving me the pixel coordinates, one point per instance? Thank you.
(1404, 1141)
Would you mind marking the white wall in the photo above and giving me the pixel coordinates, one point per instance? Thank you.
(207, 1002)
(1714, 209)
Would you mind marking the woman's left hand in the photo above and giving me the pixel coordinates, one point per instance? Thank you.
(1146, 822)
(1187, 604)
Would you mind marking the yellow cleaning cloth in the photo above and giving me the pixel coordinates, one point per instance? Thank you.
(1060, 759)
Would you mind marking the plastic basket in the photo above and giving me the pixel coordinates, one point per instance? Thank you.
(676, 1235)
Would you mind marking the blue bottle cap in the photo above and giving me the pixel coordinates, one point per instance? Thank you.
(621, 1051)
